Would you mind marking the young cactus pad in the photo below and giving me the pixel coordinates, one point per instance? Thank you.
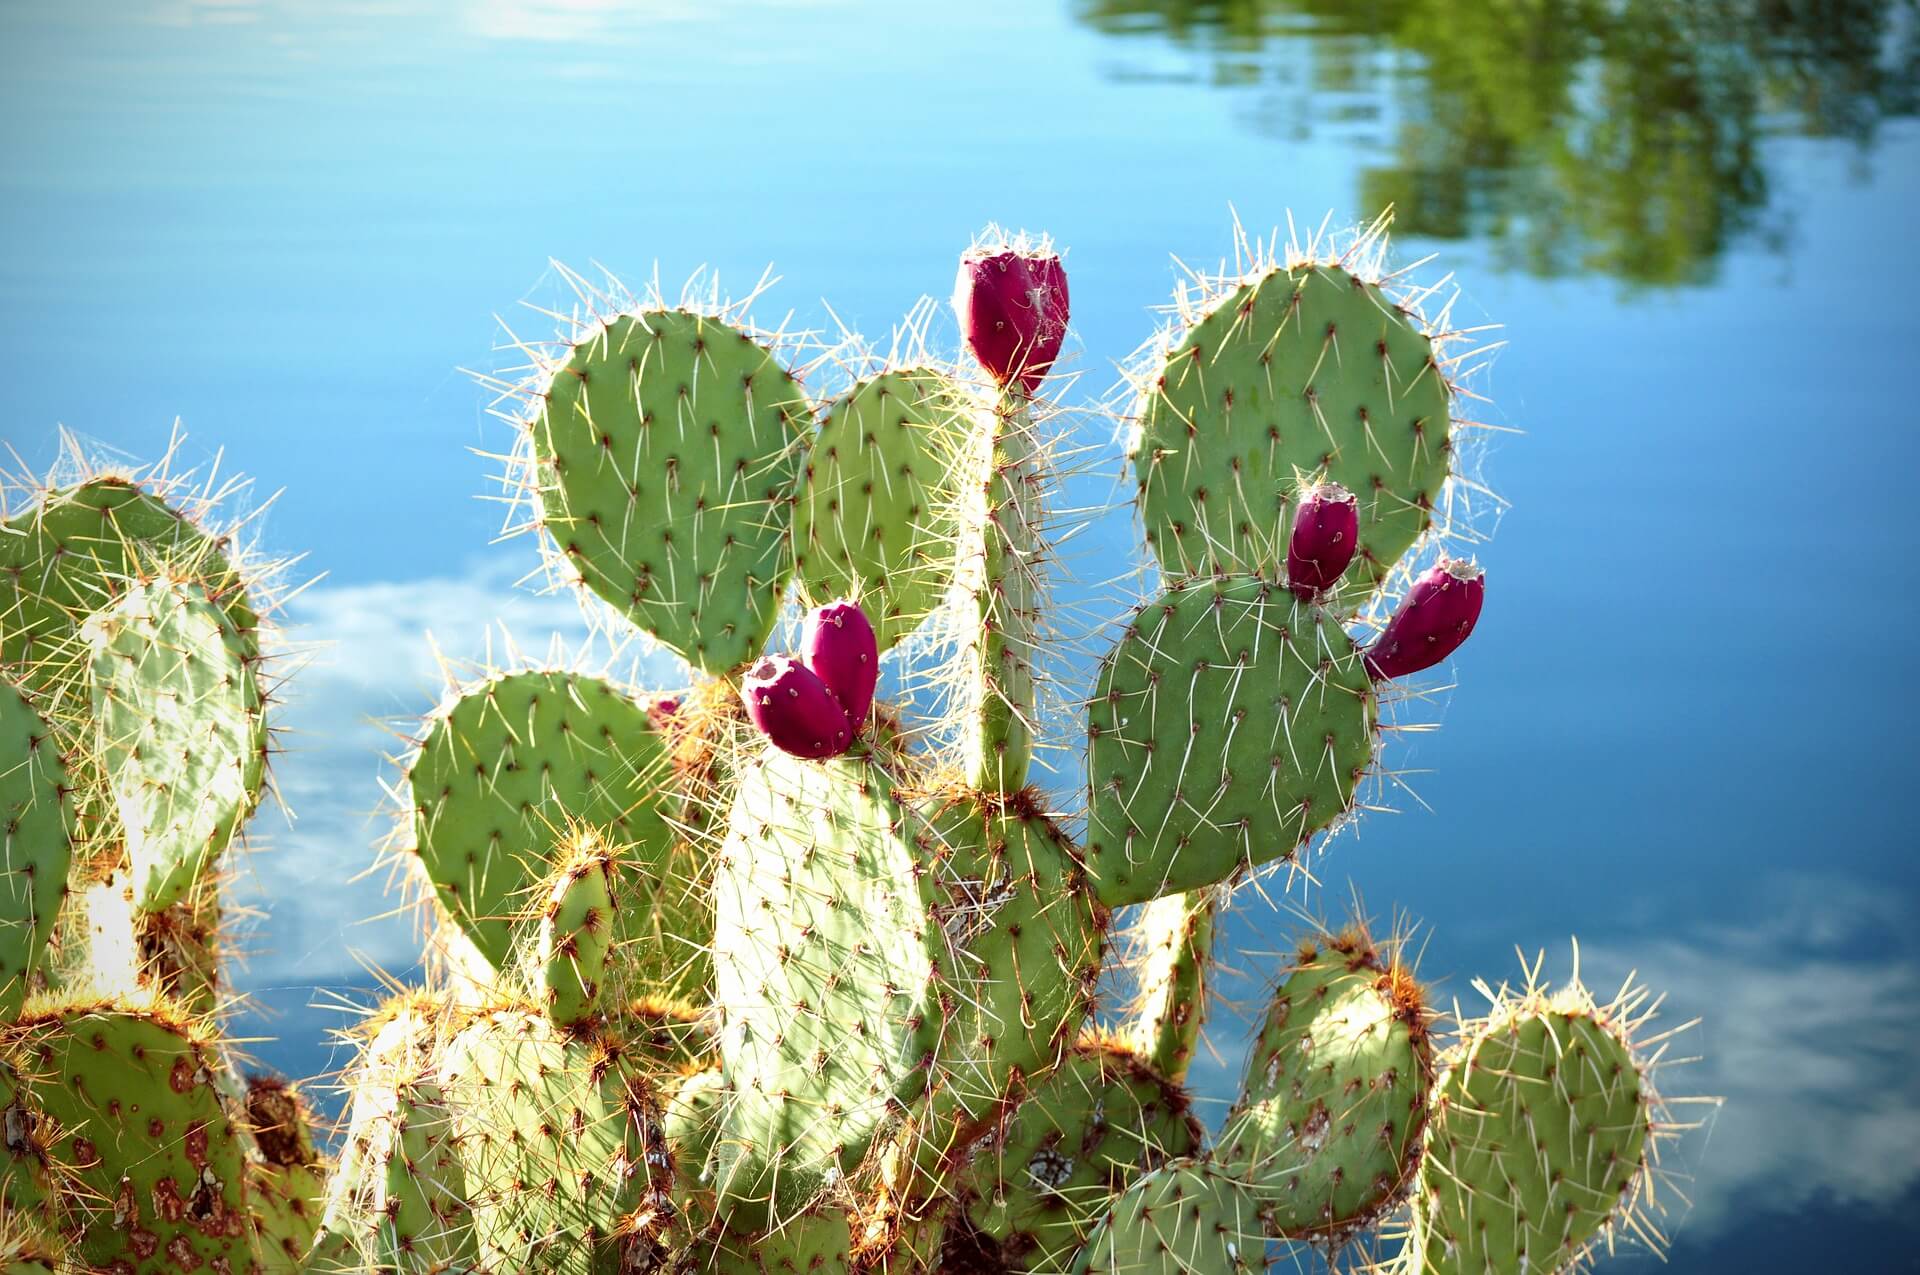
(668, 453)
(1228, 725)
(178, 709)
(1174, 935)
(1304, 372)
(36, 843)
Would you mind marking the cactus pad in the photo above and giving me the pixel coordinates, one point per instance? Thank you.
(828, 960)
(560, 1136)
(1303, 374)
(1538, 1140)
(286, 1179)
(1185, 1217)
(668, 453)
(425, 1226)
(36, 843)
(1174, 936)
(1229, 724)
(159, 1165)
(877, 518)
(1335, 1097)
(576, 929)
(498, 776)
(1036, 1186)
(183, 737)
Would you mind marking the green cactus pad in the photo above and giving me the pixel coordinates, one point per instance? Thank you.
(566, 1165)
(1335, 1097)
(1300, 375)
(1174, 936)
(815, 1241)
(74, 552)
(27, 1186)
(1538, 1139)
(1229, 724)
(142, 1128)
(36, 840)
(1183, 1218)
(668, 451)
(693, 1106)
(286, 1178)
(829, 960)
(877, 517)
(1035, 1187)
(183, 737)
(576, 930)
(497, 779)
(425, 1226)
(1027, 937)
(999, 558)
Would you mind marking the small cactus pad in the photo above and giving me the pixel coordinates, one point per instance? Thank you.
(158, 1163)
(1026, 936)
(286, 1179)
(182, 730)
(1335, 1097)
(1304, 374)
(498, 776)
(36, 843)
(567, 1170)
(1183, 1218)
(576, 929)
(876, 520)
(668, 453)
(75, 551)
(1229, 724)
(1538, 1140)
(425, 1226)
(1036, 1185)
(1173, 936)
(829, 960)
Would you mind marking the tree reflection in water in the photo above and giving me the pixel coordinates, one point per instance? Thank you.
(1622, 137)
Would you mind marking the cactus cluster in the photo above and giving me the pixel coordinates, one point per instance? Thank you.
(765, 973)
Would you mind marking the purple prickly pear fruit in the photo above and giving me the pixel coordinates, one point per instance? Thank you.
(795, 710)
(1326, 529)
(1012, 307)
(840, 648)
(663, 713)
(1436, 616)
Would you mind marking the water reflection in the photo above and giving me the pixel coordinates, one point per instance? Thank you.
(1625, 137)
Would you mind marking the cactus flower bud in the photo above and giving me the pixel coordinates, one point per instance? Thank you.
(1012, 307)
(795, 710)
(1433, 620)
(840, 649)
(664, 713)
(1326, 530)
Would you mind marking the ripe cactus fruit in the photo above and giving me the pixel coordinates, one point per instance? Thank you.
(1035, 1186)
(1184, 1217)
(1011, 300)
(559, 1133)
(1432, 621)
(498, 773)
(178, 709)
(1541, 1135)
(839, 648)
(157, 1164)
(1174, 936)
(1335, 1097)
(1303, 367)
(1326, 529)
(876, 518)
(823, 900)
(794, 709)
(424, 1225)
(666, 449)
(576, 927)
(36, 843)
(1228, 725)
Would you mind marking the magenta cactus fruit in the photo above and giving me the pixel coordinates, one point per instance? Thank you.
(1326, 530)
(662, 713)
(840, 649)
(1436, 616)
(1012, 306)
(795, 710)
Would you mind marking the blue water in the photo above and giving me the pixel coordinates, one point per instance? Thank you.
(1683, 727)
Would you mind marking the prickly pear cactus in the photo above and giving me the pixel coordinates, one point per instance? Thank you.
(800, 965)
